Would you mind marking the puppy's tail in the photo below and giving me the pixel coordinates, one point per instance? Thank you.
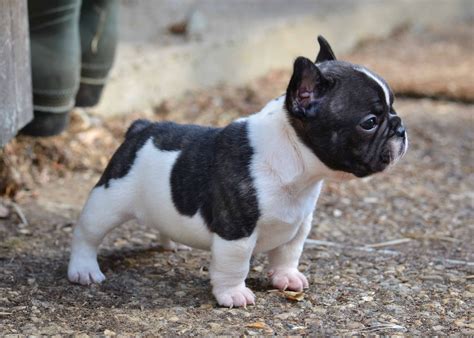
(136, 127)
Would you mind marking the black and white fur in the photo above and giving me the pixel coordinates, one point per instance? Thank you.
(249, 187)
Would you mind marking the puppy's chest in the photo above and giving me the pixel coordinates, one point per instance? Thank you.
(284, 209)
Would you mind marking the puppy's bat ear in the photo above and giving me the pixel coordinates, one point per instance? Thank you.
(325, 51)
(305, 89)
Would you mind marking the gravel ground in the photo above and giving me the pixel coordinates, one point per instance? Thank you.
(391, 254)
(421, 284)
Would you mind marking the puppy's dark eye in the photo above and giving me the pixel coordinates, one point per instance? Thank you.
(369, 123)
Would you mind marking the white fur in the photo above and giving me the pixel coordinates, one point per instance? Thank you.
(287, 177)
(377, 80)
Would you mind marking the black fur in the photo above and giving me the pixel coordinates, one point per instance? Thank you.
(211, 175)
(325, 51)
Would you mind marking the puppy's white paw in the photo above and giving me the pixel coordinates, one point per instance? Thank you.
(288, 279)
(85, 272)
(234, 296)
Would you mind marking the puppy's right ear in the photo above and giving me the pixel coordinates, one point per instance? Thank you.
(305, 89)
(325, 51)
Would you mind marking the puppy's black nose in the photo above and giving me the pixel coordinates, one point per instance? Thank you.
(400, 131)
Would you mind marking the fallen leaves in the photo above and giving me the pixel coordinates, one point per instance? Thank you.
(296, 296)
(260, 326)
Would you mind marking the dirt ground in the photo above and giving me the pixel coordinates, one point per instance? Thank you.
(390, 254)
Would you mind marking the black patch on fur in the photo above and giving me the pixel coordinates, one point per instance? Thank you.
(211, 175)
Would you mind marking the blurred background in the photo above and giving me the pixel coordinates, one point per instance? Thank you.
(399, 252)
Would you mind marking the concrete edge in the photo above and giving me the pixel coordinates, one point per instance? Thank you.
(143, 77)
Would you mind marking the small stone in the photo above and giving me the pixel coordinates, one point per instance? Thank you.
(370, 200)
(355, 326)
(150, 235)
(214, 326)
(24, 231)
(4, 212)
(337, 213)
(251, 332)
(438, 328)
(345, 201)
(432, 278)
(173, 319)
(319, 309)
(108, 332)
(284, 315)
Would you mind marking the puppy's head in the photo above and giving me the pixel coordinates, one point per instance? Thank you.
(344, 113)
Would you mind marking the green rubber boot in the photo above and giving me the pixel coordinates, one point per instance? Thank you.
(98, 30)
(55, 61)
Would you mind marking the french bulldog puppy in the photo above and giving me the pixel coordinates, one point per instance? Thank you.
(249, 187)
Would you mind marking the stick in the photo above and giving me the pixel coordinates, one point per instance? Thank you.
(20, 213)
(389, 243)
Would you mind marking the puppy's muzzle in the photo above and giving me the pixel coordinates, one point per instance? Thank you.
(398, 142)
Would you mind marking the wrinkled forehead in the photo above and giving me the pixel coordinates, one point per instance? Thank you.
(381, 84)
(356, 75)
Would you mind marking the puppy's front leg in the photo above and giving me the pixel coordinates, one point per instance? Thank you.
(285, 258)
(229, 268)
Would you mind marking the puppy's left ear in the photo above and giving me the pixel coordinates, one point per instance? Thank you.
(305, 90)
(325, 51)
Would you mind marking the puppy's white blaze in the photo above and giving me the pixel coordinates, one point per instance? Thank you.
(154, 203)
(378, 81)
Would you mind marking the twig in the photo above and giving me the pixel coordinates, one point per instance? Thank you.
(455, 261)
(389, 243)
(20, 213)
(387, 326)
(315, 242)
(433, 237)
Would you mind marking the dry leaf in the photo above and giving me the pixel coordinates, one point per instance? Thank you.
(294, 295)
(260, 326)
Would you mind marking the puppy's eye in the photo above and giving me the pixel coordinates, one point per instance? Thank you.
(369, 123)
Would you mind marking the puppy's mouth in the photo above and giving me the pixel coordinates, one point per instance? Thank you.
(393, 151)
(397, 149)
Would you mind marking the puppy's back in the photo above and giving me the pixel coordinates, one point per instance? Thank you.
(166, 136)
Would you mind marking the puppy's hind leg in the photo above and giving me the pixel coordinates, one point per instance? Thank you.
(104, 210)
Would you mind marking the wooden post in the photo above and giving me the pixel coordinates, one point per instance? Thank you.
(16, 107)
